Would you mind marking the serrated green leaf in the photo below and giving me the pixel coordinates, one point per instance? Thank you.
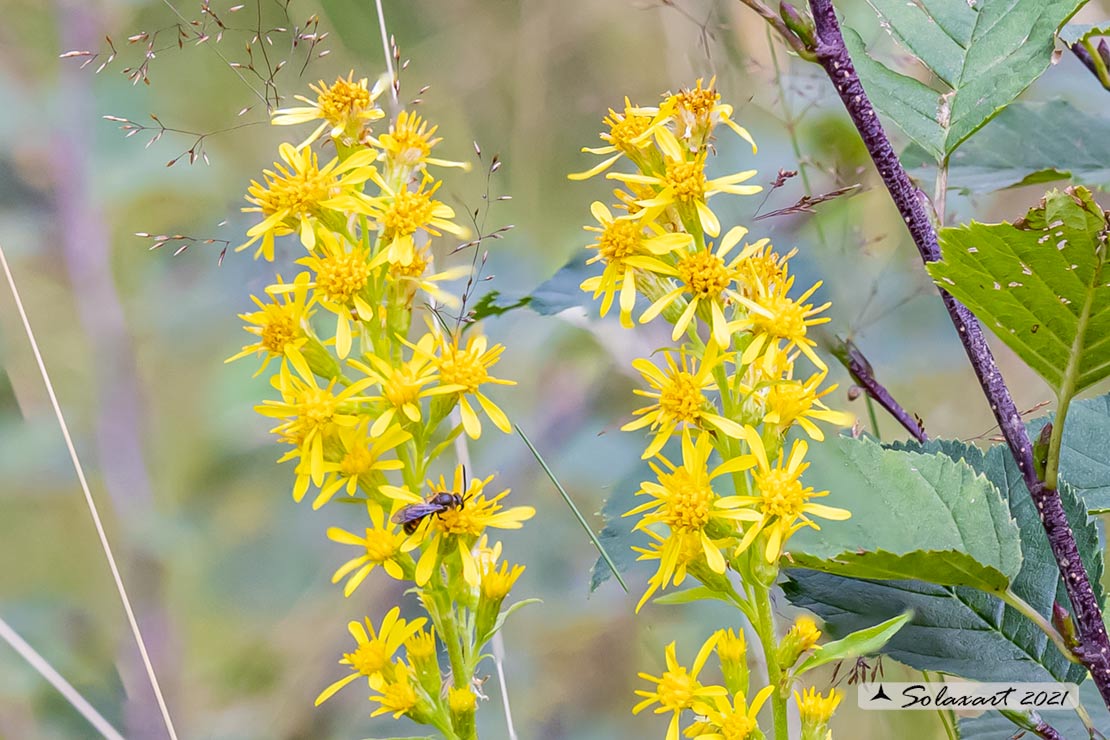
(1041, 288)
(992, 725)
(1027, 143)
(912, 105)
(863, 642)
(914, 515)
(984, 55)
(960, 630)
(1075, 33)
(1084, 457)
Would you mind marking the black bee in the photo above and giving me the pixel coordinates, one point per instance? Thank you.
(411, 515)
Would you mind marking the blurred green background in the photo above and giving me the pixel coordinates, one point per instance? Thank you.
(230, 578)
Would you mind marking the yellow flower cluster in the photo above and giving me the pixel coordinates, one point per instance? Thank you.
(368, 399)
(730, 495)
(723, 712)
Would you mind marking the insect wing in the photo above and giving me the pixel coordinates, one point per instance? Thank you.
(415, 512)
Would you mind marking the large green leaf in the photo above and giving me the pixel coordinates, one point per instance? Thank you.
(983, 55)
(1075, 33)
(1027, 143)
(914, 515)
(961, 630)
(1039, 285)
(992, 725)
(1084, 454)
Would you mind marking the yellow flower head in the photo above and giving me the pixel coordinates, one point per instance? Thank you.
(704, 279)
(684, 186)
(461, 701)
(684, 499)
(816, 710)
(764, 270)
(311, 414)
(299, 193)
(629, 135)
(409, 143)
(402, 386)
(733, 720)
(374, 649)
(497, 582)
(363, 455)
(342, 275)
(463, 369)
(381, 545)
(403, 212)
(619, 240)
(731, 646)
(679, 398)
(412, 277)
(397, 695)
(678, 689)
(421, 646)
(457, 528)
(280, 325)
(696, 111)
(790, 401)
(732, 652)
(801, 638)
(774, 317)
(345, 106)
(782, 500)
(675, 553)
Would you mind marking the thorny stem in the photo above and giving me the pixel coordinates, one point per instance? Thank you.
(832, 55)
(860, 370)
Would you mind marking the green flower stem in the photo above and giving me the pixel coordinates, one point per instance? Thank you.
(448, 625)
(872, 416)
(1099, 66)
(1052, 466)
(947, 716)
(1034, 616)
(765, 628)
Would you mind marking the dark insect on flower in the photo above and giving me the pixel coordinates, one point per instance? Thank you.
(411, 515)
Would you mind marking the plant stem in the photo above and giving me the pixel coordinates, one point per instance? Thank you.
(1034, 616)
(947, 716)
(940, 192)
(1052, 466)
(832, 55)
(864, 376)
(1098, 66)
(765, 628)
(870, 404)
